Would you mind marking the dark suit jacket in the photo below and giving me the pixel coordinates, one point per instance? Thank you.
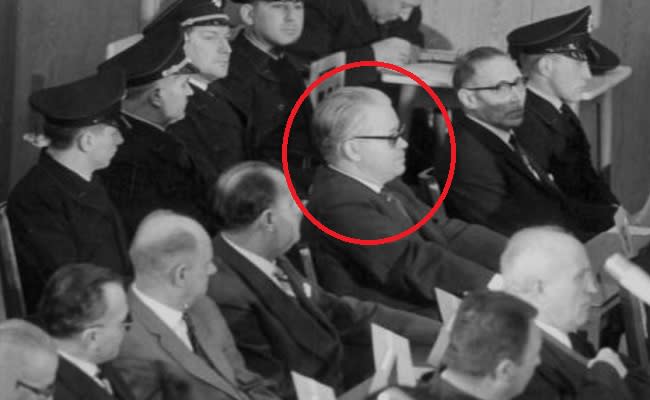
(58, 218)
(493, 187)
(278, 334)
(444, 253)
(562, 148)
(332, 26)
(74, 384)
(440, 389)
(153, 170)
(149, 339)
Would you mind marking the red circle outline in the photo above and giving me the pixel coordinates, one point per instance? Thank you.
(287, 174)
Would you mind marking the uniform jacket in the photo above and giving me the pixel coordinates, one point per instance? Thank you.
(560, 376)
(57, 218)
(332, 26)
(492, 186)
(74, 384)
(440, 389)
(152, 170)
(562, 148)
(444, 253)
(149, 339)
(213, 129)
(316, 334)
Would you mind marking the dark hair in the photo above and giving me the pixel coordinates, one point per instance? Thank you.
(466, 64)
(242, 193)
(489, 327)
(73, 298)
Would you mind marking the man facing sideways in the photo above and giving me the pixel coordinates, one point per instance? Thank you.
(28, 362)
(549, 268)
(281, 321)
(174, 323)
(84, 309)
(493, 350)
(59, 211)
(359, 194)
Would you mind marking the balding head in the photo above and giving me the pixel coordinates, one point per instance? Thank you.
(550, 269)
(170, 254)
(27, 357)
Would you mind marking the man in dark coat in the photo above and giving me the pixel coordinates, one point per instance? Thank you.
(383, 30)
(215, 119)
(496, 182)
(359, 195)
(549, 269)
(59, 212)
(153, 169)
(281, 321)
(556, 55)
(84, 309)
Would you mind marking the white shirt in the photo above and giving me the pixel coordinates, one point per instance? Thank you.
(372, 186)
(169, 316)
(555, 101)
(267, 267)
(500, 133)
(88, 368)
(556, 333)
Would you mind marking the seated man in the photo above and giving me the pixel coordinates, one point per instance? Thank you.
(153, 169)
(280, 321)
(84, 309)
(383, 30)
(555, 54)
(59, 211)
(262, 72)
(496, 182)
(174, 323)
(359, 194)
(215, 118)
(550, 269)
(28, 361)
(493, 350)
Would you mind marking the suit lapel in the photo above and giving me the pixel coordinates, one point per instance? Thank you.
(177, 349)
(120, 388)
(79, 383)
(306, 325)
(560, 367)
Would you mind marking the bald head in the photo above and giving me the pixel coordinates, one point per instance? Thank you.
(27, 354)
(550, 269)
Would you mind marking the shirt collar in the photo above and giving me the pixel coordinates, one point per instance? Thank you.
(555, 333)
(136, 117)
(500, 133)
(264, 265)
(86, 367)
(372, 186)
(170, 316)
(555, 101)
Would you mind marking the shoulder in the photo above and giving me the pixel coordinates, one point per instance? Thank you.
(227, 288)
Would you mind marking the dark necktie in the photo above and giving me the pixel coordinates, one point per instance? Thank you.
(196, 345)
(570, 116)
(523, 156)
(391, 198)
(106, 383)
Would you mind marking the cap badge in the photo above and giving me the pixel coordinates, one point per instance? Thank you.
(217, 3)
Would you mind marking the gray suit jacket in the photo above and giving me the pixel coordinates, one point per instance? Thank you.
(152, 358)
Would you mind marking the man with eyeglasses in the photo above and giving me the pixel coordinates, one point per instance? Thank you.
(84, 309)
(359, 194)
(497, 182)
(28, 362)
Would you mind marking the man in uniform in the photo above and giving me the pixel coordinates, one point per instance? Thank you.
(59, 211)
(153, 169)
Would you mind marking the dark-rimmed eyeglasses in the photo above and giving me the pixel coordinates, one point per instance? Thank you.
(46, 392)
(399, 133)
(503, 87)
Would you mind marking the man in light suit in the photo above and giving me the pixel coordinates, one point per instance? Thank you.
(359, 194)
(174, 324)
(84, 309)
(281, 321)
(549, 269)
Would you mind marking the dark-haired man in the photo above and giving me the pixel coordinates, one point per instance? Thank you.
(84, 309)
(281, 321)
(59, 211)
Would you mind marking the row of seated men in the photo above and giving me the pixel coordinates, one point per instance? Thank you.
(163, 337)
(61, 214)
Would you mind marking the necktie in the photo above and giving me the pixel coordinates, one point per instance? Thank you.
(283, 281)
(570, 116)
(196, 345)
(391, 198)
(106, 383)
(523, 156)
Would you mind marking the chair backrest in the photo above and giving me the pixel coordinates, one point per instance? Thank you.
(12, 289)
(308, 263)
(120, 45)
(321, 66)
(635, 321)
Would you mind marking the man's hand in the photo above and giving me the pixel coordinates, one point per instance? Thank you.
(608, 356)
(392, 50)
